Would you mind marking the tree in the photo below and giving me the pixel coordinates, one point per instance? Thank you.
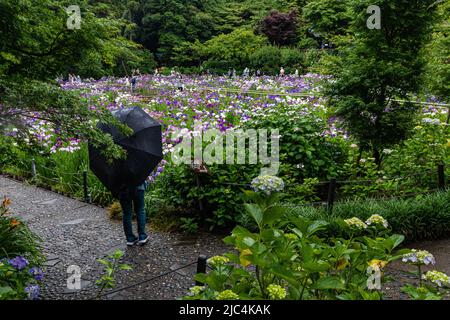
(378, 66)
(164, 24)
(280, 28)
(267, 59)
(36, 47)
(235, 47)
(327, 19)
(438, 53)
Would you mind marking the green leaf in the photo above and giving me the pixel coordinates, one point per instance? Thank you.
(201, 277)
(273, 214)
(284, 273)
(297, 232)
(316, 266)
(316, 226)
(396, 239)
(103, 261)
(248, 241)
(255, 212)
(5, 290)
(327, 283)
(125, 267)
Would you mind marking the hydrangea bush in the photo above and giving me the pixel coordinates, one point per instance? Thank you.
(433, 284)
(20, 258)
(19, 280)
(285, 258)
(267, 184)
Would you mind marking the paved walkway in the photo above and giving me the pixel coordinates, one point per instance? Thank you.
(76, 233)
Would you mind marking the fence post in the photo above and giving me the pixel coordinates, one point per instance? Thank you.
(85, 187)
(441, 177)
(331, 195)
(201, 267)
(199, 186)
(33, 167)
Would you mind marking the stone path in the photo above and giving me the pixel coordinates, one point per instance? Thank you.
(76, 233)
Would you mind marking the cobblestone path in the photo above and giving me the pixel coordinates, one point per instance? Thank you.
(76, 233)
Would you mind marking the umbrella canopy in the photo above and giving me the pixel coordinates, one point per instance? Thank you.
(143, 147)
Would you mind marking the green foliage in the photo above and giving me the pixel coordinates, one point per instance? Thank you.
(421, 293)
(421, 218)
(16, 239)
(292, 59)
(18, 242)
(112, 266)
(286, 259)
(234, 48)
(162, 25)
(189, 225)
(304, 153)
(328, 19)
(438, 53)
(269, 59)
(36, 47)
(377, 66)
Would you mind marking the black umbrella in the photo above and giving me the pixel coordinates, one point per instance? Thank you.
(143, 147)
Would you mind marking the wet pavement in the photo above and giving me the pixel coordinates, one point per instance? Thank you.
(77, 234)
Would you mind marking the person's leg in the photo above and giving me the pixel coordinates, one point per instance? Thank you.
(141, 216)
(127, 213)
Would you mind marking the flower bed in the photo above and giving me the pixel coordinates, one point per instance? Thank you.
(20, 258)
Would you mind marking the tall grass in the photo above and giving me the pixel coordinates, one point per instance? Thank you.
(424, 217)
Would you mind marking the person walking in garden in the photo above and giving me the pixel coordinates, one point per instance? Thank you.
(133, 80)
(133, 198)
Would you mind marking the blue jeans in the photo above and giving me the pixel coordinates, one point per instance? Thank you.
(133, 198)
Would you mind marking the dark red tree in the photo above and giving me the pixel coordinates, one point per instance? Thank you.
(279, 27)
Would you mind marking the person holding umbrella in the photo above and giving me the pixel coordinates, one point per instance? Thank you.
(133, 197)
(126, 179)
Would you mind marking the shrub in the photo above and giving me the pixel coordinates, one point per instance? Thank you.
(304, 153)
(20, 257)
(286, 259)
(115, 211)
(15, 237)
(292, 59)
(267, 59)
(19, 280)
(421, 218)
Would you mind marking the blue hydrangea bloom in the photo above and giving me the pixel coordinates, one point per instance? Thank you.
(18, 262)
(33, 292)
